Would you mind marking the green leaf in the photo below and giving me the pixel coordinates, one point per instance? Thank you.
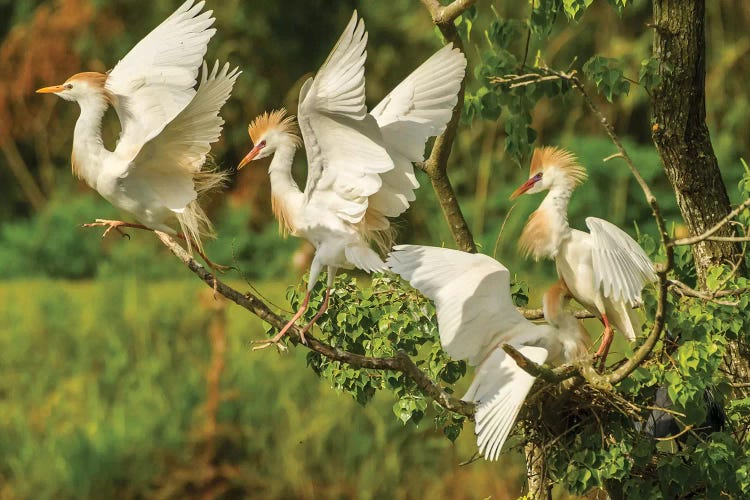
(648, 75)
(574, 9)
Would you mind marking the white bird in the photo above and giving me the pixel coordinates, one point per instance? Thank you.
(476, 316)
(605, 270)
(360, 169)
(156, 172)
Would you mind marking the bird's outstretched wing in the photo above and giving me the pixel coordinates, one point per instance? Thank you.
(499, 388)
(169, 162)
(471, 294)
(417, 109)
(621, 267)
(156, 79)
(345, 151)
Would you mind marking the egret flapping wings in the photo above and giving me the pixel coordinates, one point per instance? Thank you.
(476, 315)
(156, 79)
(345, 151)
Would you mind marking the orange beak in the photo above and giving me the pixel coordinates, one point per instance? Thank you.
(51, 90)
(250, 157)
(523, 188)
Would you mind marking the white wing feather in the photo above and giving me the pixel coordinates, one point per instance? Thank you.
(471, 294)
(156, 79)
(621, 267)
(417, 109)
(499, 389)
(169, 161)
(345, 151)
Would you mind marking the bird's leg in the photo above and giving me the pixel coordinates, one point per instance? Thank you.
(607, 338)
(216, 267)
(277, 338)
(323, 309)
(116, 225)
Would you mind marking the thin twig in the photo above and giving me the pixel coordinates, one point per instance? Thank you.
(716, 227)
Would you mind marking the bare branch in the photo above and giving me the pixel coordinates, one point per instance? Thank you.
(550, 375)
(437, 164)
(716, 227)
(684, 290)
(444, 15)
(399, 363)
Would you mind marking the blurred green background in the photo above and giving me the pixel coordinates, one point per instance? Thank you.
(121, 376)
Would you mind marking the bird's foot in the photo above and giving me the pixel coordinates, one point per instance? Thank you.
(113, 224)
(262, 344)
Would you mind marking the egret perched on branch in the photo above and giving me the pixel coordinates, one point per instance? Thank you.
(156, 171)
(476, 316)
(605, 270)
(360, 169)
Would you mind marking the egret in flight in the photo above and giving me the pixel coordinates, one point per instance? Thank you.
(605, 270)
(157, 171)
(359, 163)
(476, 316)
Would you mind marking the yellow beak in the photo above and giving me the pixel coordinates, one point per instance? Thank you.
(51, 90)
(250, 156)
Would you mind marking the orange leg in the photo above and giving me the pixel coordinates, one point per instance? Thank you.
(277, 338)
(323, 309)
(607, 338)
(116, 225)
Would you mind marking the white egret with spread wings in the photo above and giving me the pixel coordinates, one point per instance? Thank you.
(359, 163)
(476, 316)
(156, 172)
(605, 270)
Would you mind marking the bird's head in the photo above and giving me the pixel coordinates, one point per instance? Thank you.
(78, 86)
(268, 131)
(550, 167)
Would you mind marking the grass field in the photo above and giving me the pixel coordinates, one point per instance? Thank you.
(122, 388)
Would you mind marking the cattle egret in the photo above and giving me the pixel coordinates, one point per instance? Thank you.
(476, 316)
(359, 164)
(156, 172)
(605, 270)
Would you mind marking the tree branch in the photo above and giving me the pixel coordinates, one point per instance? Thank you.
(715, 228)
(399, 363)
(437, 164)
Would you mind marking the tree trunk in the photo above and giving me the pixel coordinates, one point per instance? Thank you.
(682, 139)
(536, 472)
(680, 132)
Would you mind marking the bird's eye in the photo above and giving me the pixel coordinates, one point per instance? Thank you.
(262, 144)
(538, 176)
(68, 86)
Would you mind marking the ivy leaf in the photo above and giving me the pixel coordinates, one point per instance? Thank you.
(574, 9)
(607, 75)
(648, 75)
(543, 16)
(502, 32)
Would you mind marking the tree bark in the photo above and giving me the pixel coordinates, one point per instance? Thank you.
(682, 139)
(680, 132)
(536, 472)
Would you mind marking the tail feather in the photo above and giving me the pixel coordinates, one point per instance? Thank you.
(365, 258)
(499, 388)
(194, 223)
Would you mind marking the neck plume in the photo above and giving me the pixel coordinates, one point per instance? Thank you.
(547, 227)
(286, 197)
